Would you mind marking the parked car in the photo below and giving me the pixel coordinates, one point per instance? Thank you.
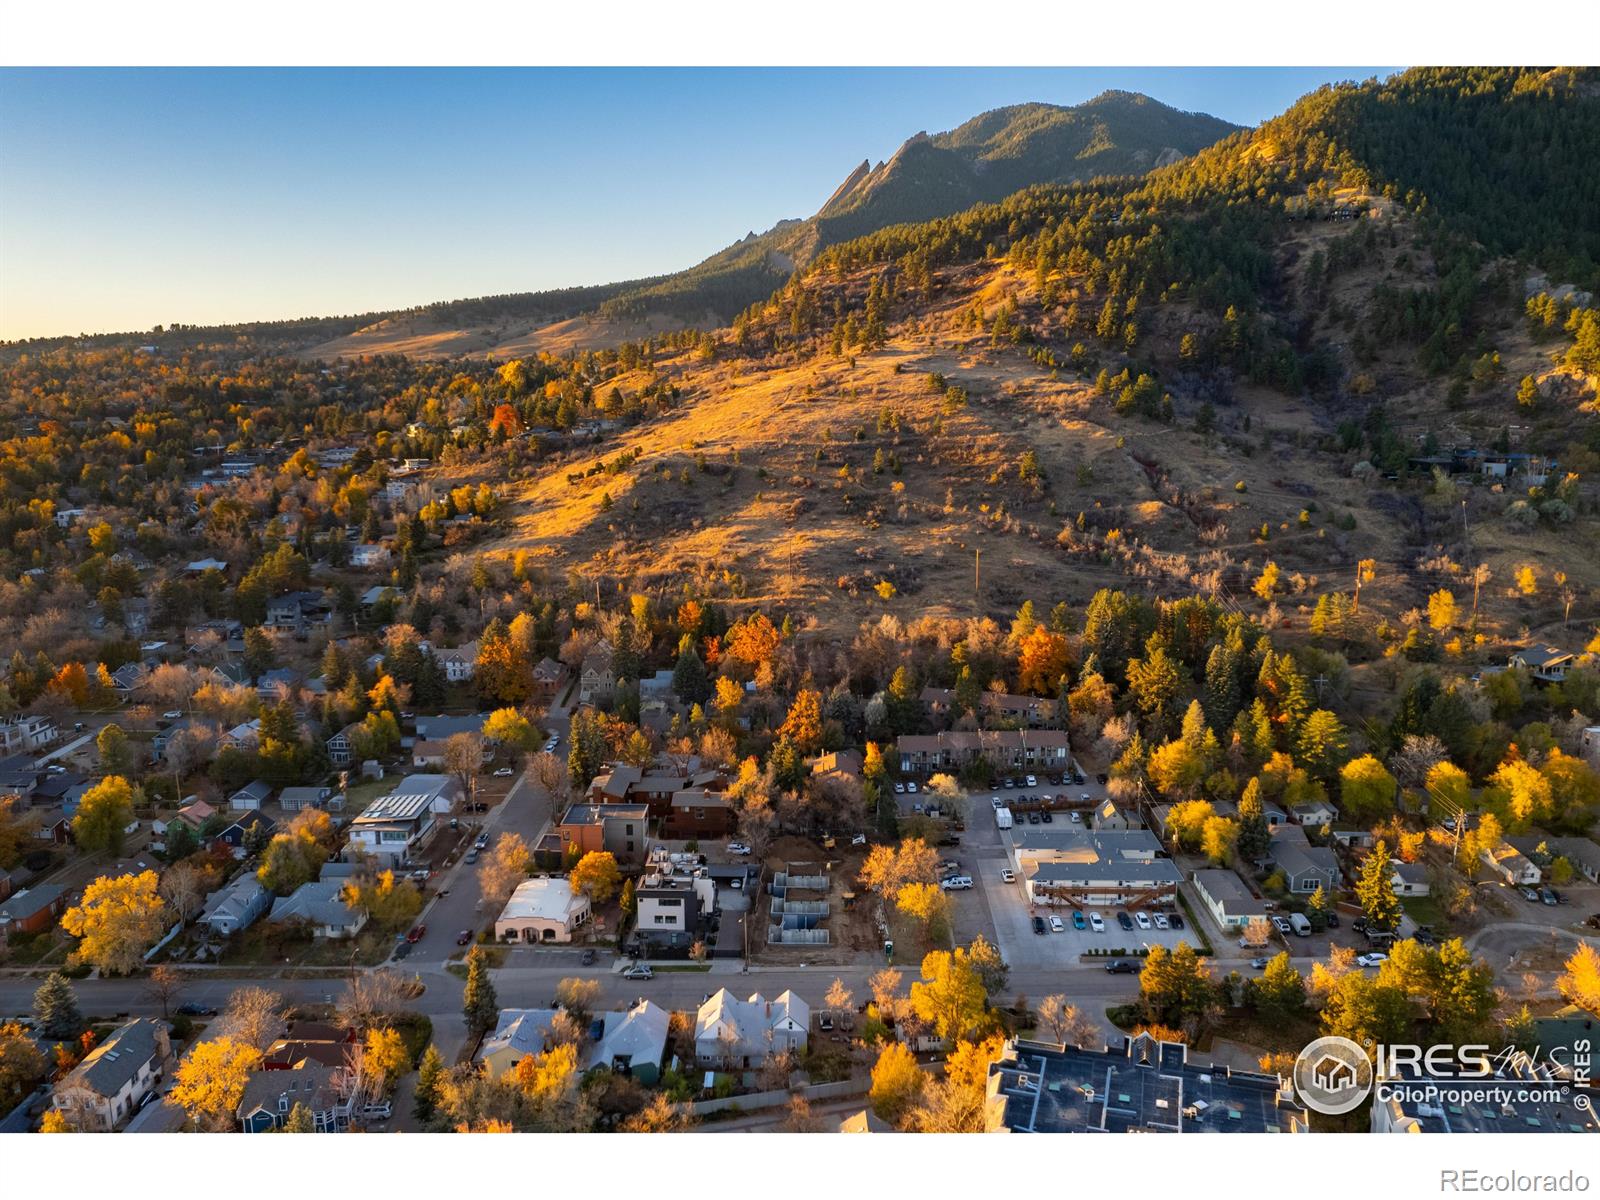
(482, 843)
(1175, 921)
(639, 971)
(1161, 920)
(1281, 924)
(859, 839)
(911, 786)
(1120, 966)
(1077, 920)
(464, 938)
(1548, 895)
(949, 864)
(997, 802)
(1007, 875)
(1056, 925)
(948, 841)
(1372, 958)
(956, 883)
(196, 1010)
(1084, 798)
(1530, 895)
(1332, 918)
(472, 856)
(1039, 926)
(174, 715)
(1143, 919)
(1102, 778)
(1032, 782)
(416, 934)
(1046, 817)
(1260, 964)
(402, 950)
(588, 957)
(1033, 818)
(1097, 922)
(1124, 920)
(899, 789)
(503, 773)
(738, 848)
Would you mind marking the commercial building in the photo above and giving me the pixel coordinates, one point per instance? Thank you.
(544, 909)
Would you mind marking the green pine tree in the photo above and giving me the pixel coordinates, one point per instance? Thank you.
(1375, 889)
(299, 1120)
(429, 1074)
(55, 1006)
(478, 1003)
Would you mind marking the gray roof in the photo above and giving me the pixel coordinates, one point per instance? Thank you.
(31, 900)
(118, 1059)
(638, 1035)
(310, 1083)
(435, 729)
(1118, 870)
(234, 900)
(1296, 859)
(317, 902)
(161, 1117)
(1148, 1086)
(1458, 1105)
(1227, 889)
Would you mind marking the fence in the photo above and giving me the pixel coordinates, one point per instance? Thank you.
(778, 935)
(756, 1101)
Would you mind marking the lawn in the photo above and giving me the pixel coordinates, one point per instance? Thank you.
(357, 797)
(268, 945)
(1424, 910)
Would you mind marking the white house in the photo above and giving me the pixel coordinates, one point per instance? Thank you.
(107, 1086)
(1511, 865)
(459, 662)
(542, 910)
(369, 554)
(1225, 896)
(393, 827)
(26, 731)
(735, 1034)
(1410, 879)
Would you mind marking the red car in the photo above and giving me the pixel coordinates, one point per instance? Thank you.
(464, 937)
(416, 934)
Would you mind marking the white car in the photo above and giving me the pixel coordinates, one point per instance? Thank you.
(1056, 926)
(1097, 922)
(911, 787)
(956, 883)
(1032, 782)
(174, 715)
(997, 802)
(1161, 921)
(899, 789)
(1282, 925)
(504, 773)
(860, 839)
(1077, 819)
(1372, 959)
(639, 971)
(738, 848)
(1143, 919)
(1007, 875)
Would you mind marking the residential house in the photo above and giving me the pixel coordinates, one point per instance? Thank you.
(394, 827)
(32, 910)
(298, 613)
(341, 746)
(270, 1096)
(1506, 861)
(252, 826)
(596, 682)
(251, 796)
(1547, 664)
(548, 676)
(201, 565)
(634, 1042)
(1589, 745)
(293, 799)
(736, 1034)
(309, 1043)
(243, 737)
(1147, 1086)
(428, 755)
(846, 764)
(1031, 711)
(1069, 866)
(108, 1085)
(167, 733)
(1314, 814)
(26, 731)
(1410, 879)
(1110, 815)
(656, 687)
(1005, 750)
(518, 1033)
(459, 663)
(52, 825)
(1583, 853)
(237, 906)
(1225, 897)
(696, 814)
(1305, 867)
(276, 684)
(136, 616)
(129, 679)
(618, 828)
(321, 906)
(441, 728)
(671, 909)
(543, 909)
(369, 554)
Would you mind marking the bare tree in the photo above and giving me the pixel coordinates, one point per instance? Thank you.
(463, 758)
(506, 866)
(182, 886)
(1066, 1022)
(885, 988)
(163, 985)
(838, 999)
(372, 996)
(578, 996)
(800, 1118)
(550, 773)
(255, 1016)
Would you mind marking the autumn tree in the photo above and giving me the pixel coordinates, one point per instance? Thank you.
(104, 813)
(22, 1064)
(889, 868)
(210, 1081)
(116, 921)
(1580, 981)
(1042, 662)
(508, 727)
(950, 995)
(1065, 1022)
(1175, 988)
(897, 1082)
(1375, 889)
(927, 904)
(578, 996)
(507, 864)
(254, 1016)
(596, 876)
(803, 725)
(384, 1059)
(1366, 790)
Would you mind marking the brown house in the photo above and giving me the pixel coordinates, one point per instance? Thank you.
(548, 676)
(32, 910)
(698, 814)
(619, 828)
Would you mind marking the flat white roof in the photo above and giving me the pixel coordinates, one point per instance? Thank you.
(543, 899)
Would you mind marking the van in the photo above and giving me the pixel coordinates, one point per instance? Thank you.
(1300, 924)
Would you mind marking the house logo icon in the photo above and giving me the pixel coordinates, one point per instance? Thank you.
(1332, 1075)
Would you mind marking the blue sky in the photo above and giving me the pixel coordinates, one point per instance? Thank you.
(135, 197)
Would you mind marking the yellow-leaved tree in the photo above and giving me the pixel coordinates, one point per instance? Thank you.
(210, 1081)
(118, 919)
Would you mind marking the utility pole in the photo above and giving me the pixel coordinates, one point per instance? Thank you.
(977, 586)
